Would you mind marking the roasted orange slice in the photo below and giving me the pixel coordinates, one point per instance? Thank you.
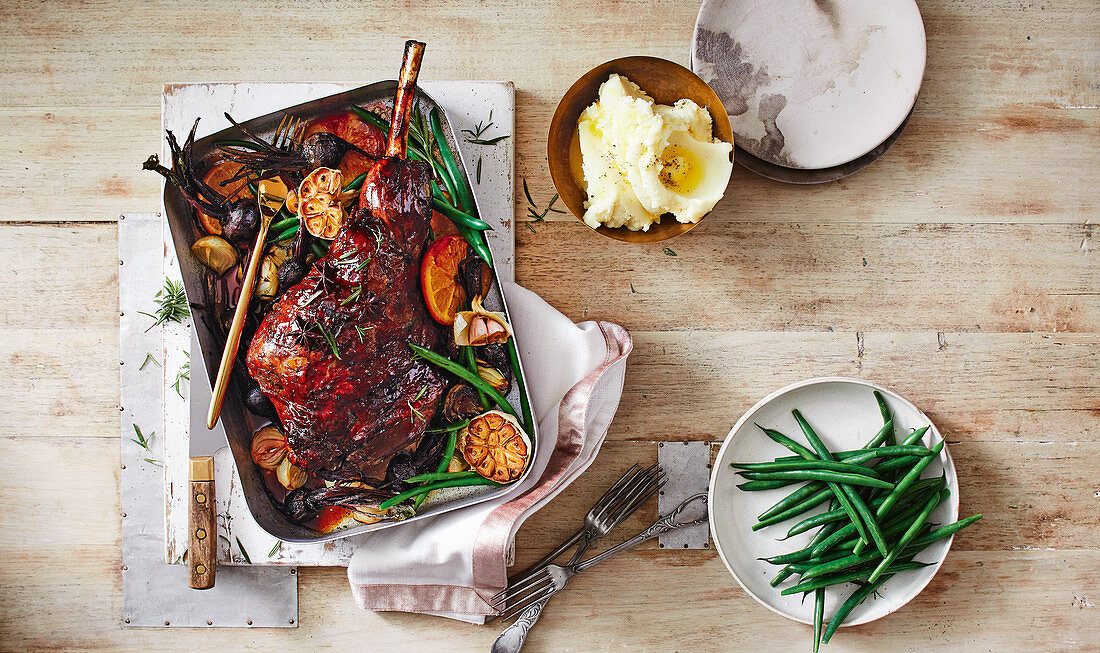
(213, 178)
(495, 446)
(443, 293)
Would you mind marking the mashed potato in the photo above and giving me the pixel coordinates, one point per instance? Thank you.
(641, 160)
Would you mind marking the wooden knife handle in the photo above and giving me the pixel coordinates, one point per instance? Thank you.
(202, 552)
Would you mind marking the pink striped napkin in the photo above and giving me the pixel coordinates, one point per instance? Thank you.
(451, 565)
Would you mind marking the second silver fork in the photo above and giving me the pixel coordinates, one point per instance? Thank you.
(617, 504)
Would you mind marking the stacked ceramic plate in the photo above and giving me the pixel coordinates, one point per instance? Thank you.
(815, 89)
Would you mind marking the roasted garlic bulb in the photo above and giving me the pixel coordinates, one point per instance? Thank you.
(495, 446)
(477, 326)
(318, 200)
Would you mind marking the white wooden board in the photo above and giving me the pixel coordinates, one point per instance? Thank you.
(466, 104)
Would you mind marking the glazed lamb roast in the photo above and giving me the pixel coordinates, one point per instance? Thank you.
(333, 354)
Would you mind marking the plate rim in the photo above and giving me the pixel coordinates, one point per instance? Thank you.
(775, 171)
(948, 463)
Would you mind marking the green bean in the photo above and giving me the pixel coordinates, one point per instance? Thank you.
(806, 553)
(846, 531)
(915, 436)
(791, 568)
(757, 486)
(371, 118)
(456, 216)
(449, 428)
(795, 465)
(855, 599)
(841, 496)
(908, 479)
(865, 514)
(818, 475)
(822, 582)
(789, 443)
(355, 184)
(887, 418)
(792, 499)
(910, 533)
(517, 374)
(819, 613)
(834, 515)
(914, 547)
(465, 374)
(818, 498)
(318, 248)
(431, 477)
(283, 235)
(444, 461)
(465, 199)
(852, 456)
(477, 241)
(471, 364)
(417, 491)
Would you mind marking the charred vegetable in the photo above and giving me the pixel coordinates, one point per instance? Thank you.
(215, 253)
(234, 216)
(291, 272)
(493, 377)
(289, 475)
(461, 403)
(325, 150)
(269, 448)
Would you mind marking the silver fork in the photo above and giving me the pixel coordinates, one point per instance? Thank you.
(289, 133)
(595, 525)
(553, 578)
(625, 499)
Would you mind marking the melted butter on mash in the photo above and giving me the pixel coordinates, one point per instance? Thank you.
(641, 160)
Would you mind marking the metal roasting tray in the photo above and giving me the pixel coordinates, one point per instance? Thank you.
(238, 422)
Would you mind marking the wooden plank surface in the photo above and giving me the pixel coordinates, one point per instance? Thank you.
(959, 270)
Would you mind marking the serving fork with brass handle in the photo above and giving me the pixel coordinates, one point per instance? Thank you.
(551, 580)
(617, 504)
(288, 134)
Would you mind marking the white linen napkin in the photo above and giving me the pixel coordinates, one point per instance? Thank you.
(452, 564)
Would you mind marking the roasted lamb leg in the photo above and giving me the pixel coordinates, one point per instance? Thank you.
(333, 354)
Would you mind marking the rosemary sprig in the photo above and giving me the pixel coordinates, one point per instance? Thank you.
(352, 297)
(668, 252)
(141, 440)
(244, 553)
(184, 374)
(360, 331)
(420, 394)
(362, 265)
(275, 549)
(330, 340)
(171, 303)
(148, 358)
(533, 209)
(475, 135)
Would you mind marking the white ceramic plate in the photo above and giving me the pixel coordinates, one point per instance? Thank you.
(844, 413)
(811, 84)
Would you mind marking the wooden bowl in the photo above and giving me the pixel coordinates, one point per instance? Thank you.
(664, 81)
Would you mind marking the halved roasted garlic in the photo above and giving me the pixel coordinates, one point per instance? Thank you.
(215, 253)
(290, 476)
(318, 200)
(477, 326)
(495, 446)
(269, 448)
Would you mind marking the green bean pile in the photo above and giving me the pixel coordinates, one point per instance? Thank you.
(877, 501)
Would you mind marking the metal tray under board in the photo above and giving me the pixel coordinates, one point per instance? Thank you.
(238, 422)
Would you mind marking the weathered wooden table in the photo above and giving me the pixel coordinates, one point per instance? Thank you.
(960, 270)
